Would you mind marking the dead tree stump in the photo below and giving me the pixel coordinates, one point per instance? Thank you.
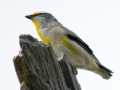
(37, 67)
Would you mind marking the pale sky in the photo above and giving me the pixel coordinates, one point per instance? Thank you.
(97, 22)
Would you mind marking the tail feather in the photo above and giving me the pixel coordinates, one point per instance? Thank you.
(105, 70)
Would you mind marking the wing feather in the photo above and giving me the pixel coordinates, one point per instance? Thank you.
(80, 42)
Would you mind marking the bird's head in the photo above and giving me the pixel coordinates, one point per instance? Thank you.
(43, 19)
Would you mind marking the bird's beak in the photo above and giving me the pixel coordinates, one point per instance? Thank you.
(29, 16)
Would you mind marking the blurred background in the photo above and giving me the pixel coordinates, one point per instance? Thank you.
(97, 22)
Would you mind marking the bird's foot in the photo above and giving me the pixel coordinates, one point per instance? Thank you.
(60, 55)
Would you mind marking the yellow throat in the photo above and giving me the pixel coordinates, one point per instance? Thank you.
(44, 39)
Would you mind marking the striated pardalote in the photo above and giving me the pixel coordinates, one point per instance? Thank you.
(50, 30)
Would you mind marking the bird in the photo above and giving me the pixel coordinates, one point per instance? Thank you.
(78, 53)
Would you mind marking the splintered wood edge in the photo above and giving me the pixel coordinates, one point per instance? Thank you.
(21, 70)
(23, 86)
(17, 60)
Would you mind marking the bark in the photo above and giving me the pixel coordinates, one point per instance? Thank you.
(38, 68)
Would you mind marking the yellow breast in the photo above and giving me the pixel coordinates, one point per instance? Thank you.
(44, 39)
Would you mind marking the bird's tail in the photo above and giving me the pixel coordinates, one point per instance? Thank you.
(105, 72)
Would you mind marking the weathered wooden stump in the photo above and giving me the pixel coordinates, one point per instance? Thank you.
(37, 67)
